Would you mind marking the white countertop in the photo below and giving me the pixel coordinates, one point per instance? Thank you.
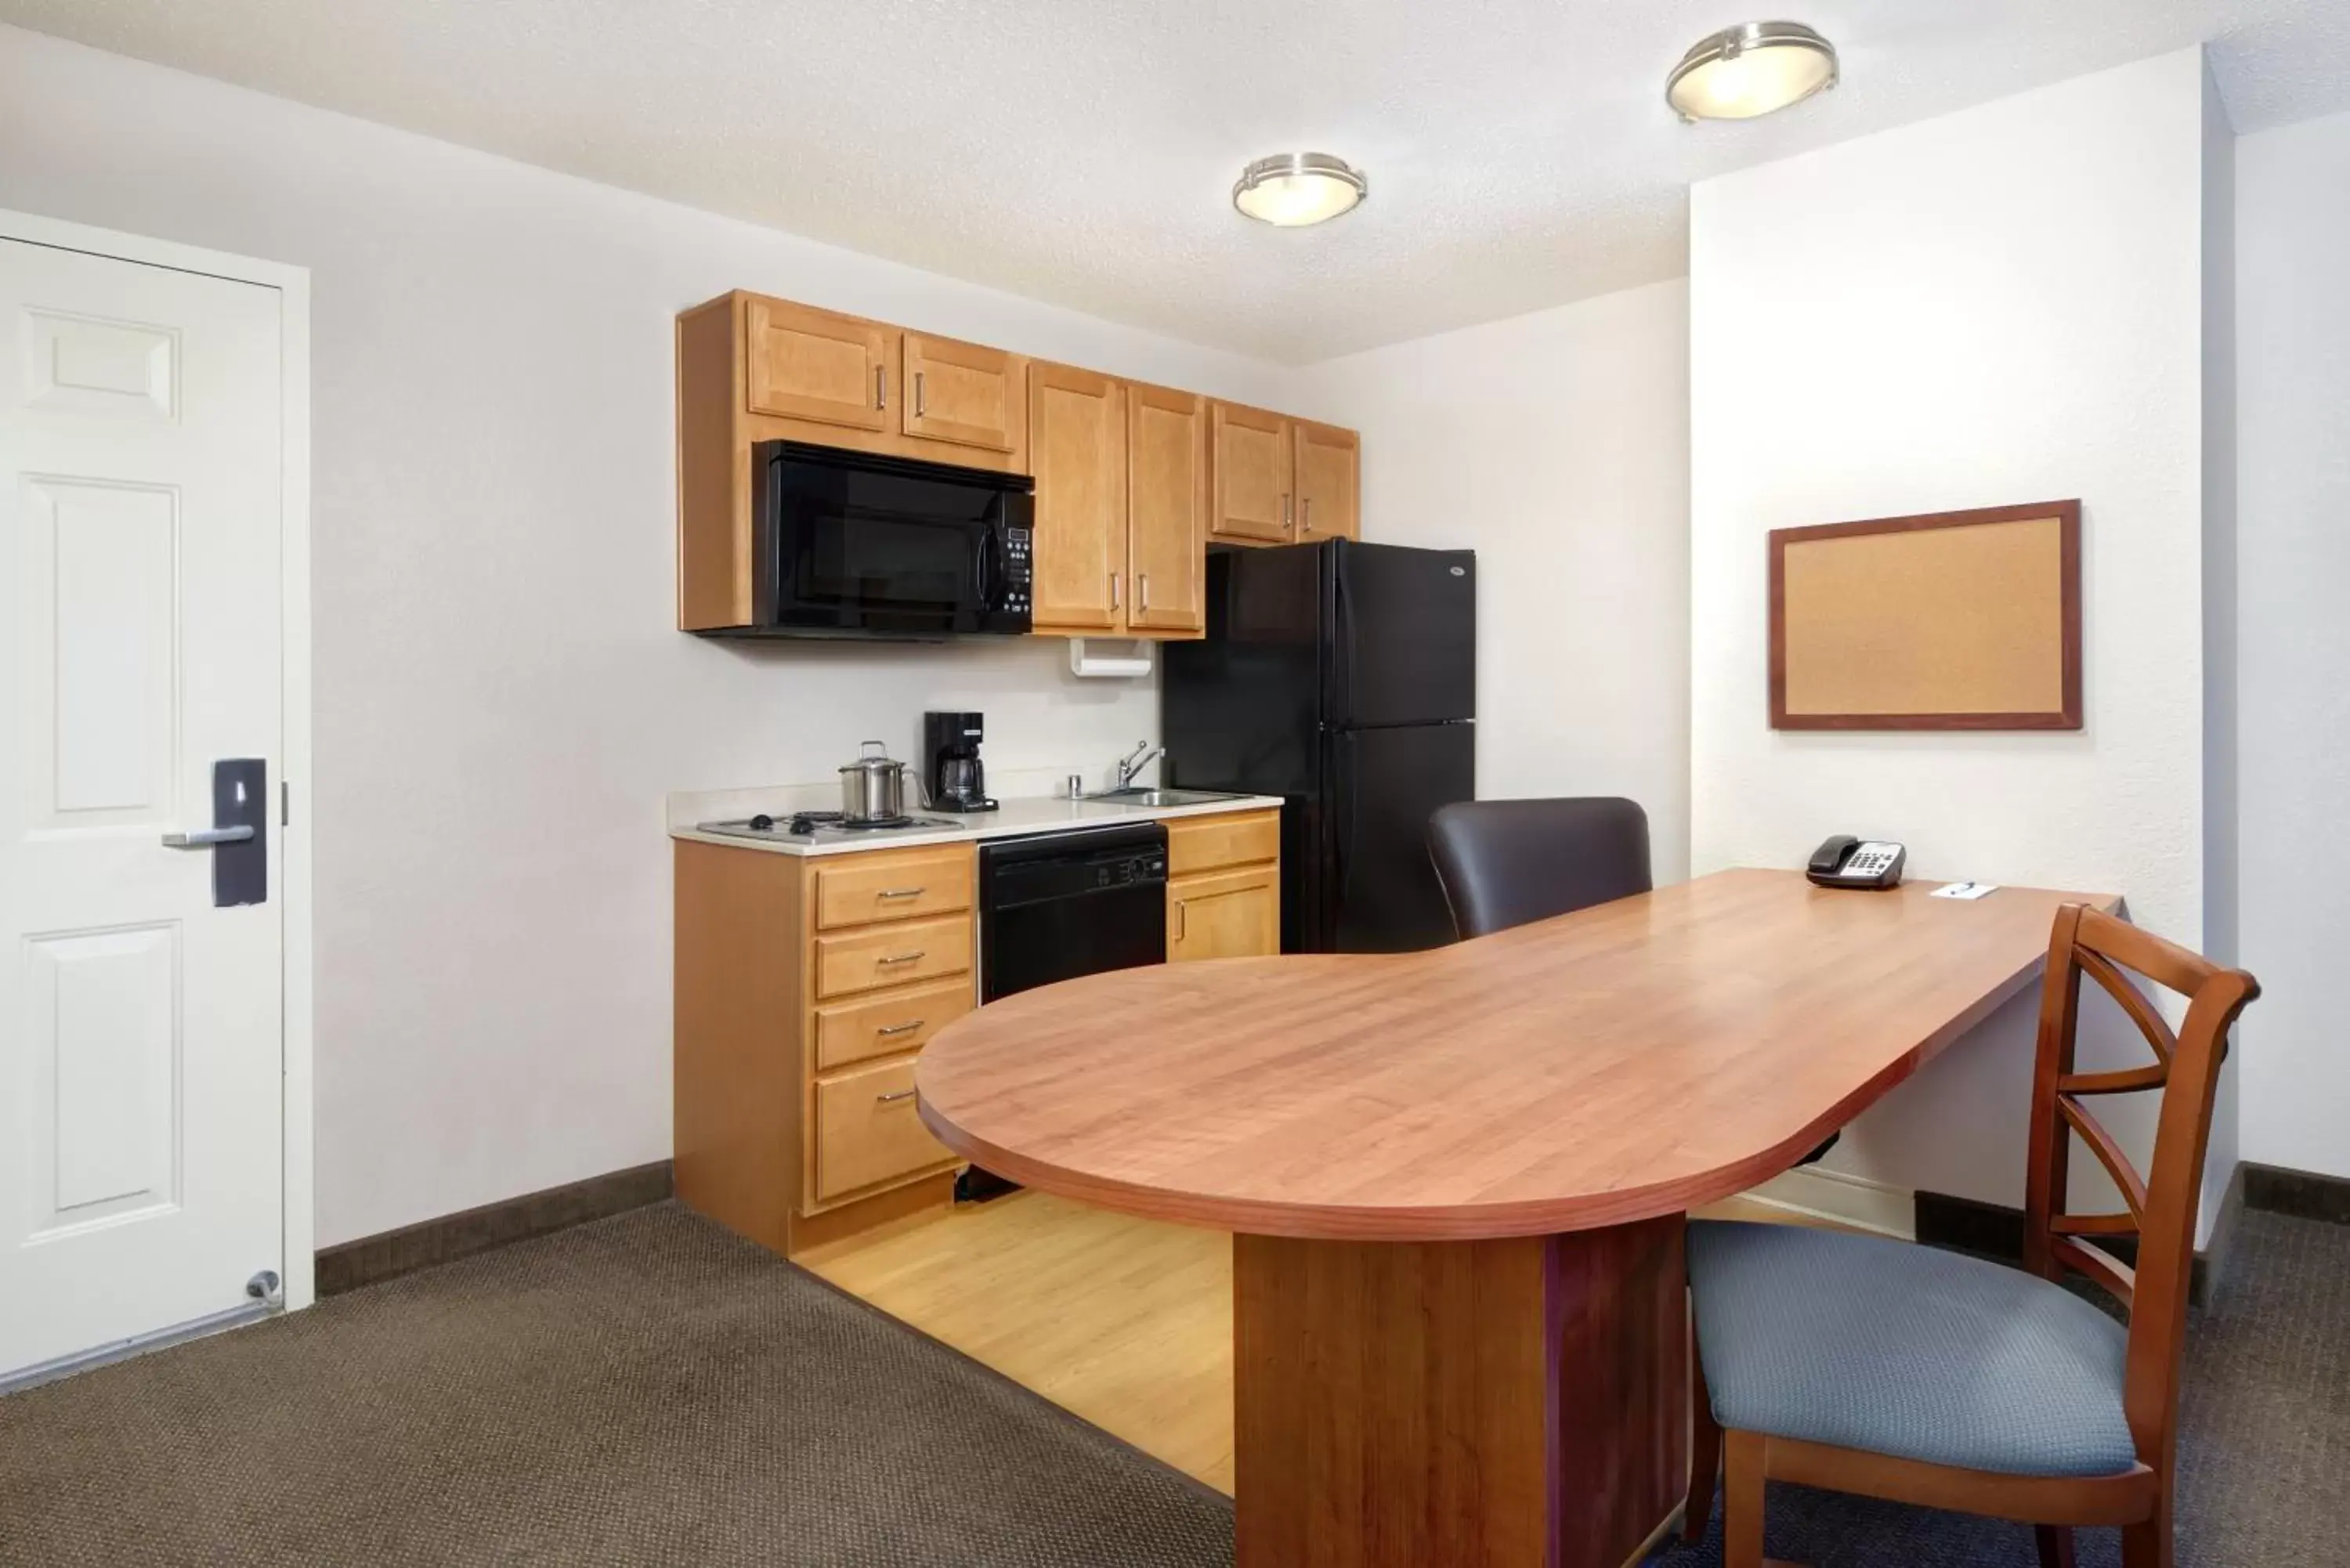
(1012, 818)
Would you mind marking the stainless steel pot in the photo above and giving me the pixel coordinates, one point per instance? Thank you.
(873, 788)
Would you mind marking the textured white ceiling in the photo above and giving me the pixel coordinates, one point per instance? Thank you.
(1082, 152)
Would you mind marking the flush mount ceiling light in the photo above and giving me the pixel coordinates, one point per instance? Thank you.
(1295, 189)
(1741, 72)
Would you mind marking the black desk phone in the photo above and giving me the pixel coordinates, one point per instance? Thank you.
(1845, 861)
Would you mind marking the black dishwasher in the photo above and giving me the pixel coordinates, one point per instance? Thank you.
(1053, 906)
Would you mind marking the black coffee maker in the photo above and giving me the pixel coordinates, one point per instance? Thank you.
(952, 774)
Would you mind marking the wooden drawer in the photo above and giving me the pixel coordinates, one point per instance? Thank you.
(858, 889)
(867, 1131)
(896, 954)
(1227, 914)
(1233, 839)
(888, 1023)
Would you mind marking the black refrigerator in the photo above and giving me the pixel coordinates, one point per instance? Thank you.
(1341, 677)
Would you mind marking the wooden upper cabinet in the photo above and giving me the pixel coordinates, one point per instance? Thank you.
(1077, 447)
(961, 392)
(806, 364)
(1252, 469)
(1167, 509)
(1328, 463)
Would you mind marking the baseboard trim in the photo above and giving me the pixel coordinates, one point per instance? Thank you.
(1851, 1200)
(2303, 1194)
(371, 1260)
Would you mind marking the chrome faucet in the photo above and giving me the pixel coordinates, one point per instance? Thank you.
(1142, 757)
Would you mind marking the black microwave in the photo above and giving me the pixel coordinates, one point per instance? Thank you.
(846, 544)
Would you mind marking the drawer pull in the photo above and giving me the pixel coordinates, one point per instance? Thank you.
(901, 1028)
(902, 892)
(918, 954)
(893, 1094)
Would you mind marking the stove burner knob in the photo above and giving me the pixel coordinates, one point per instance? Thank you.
(762, 823)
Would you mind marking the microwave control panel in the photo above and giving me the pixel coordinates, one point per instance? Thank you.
(1019, 569)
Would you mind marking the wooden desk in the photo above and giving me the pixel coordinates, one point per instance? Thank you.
(1456, 1178)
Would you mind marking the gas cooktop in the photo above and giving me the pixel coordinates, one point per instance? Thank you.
(820, 826)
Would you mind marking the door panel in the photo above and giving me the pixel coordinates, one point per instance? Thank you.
(140, 1028)
(1404, 635)
(1166, 507)
(961, 392)
(1328, 461)
(1384, 784)
(810, 364)
(1077, 449)
(1224, 914)
(1252, 475)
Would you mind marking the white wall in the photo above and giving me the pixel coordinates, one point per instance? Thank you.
(2292, 240)
(1557, 445)
(503, 699)
(1999, 306)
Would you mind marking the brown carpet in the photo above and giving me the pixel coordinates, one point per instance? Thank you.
(650, 1390)
(646, 1389)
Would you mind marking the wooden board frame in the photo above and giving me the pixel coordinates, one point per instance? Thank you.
(2068, 716)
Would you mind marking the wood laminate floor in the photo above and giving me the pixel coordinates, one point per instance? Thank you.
(1126, 1323)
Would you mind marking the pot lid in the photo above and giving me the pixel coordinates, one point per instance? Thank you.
(875, 760)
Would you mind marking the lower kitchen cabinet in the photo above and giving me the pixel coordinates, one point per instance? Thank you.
(805, 988)
(1223, 887)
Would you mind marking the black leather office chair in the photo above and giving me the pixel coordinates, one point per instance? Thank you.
(1505, 863)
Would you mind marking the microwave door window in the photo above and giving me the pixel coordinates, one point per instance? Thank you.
(881, 571)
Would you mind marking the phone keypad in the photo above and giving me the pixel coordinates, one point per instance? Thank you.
(1869, 860)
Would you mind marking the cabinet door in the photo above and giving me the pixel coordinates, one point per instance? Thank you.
(1225, 914)
(1329, 466)
(804, 364)
(1167, 509)
(1252, 475)
(1077, 448)
(960, 392)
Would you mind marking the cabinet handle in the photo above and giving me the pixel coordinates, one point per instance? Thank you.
(900, 1028)
(903, 958)
(1285, 509)
(902, 892)
(880, 386)
(1113, 590)
(1142, 586)
(894, 1094)
(1182, 919)
(1305, 515)
(918, 394)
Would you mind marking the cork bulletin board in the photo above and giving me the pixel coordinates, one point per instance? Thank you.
(1955, 620)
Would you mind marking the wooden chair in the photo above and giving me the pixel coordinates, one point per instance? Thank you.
(1923, 1377)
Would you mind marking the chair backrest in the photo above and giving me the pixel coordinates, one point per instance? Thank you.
(2160, 1208)
(1503, 863)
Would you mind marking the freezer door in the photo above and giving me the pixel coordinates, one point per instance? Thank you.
(1401, 644)
(1383, 896)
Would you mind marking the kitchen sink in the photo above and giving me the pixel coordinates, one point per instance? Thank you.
(1135, 794)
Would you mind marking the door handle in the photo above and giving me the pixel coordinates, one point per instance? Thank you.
(1182, 919)
(239, 834)
(1113, 591)
(1306, 515)
(918, 400)
(206, 838)
(880, 386)
(1142, 586)
(897, 1094)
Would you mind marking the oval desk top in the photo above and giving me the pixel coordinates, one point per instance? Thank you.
(1635, 1059)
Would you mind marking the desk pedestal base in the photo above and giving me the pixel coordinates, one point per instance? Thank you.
(1511, 1404)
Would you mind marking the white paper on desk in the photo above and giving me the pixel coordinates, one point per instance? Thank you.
(1963, 890)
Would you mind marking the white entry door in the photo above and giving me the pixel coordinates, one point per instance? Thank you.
(142, 1027)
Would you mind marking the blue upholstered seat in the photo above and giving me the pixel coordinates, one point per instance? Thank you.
(1895, 1349)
